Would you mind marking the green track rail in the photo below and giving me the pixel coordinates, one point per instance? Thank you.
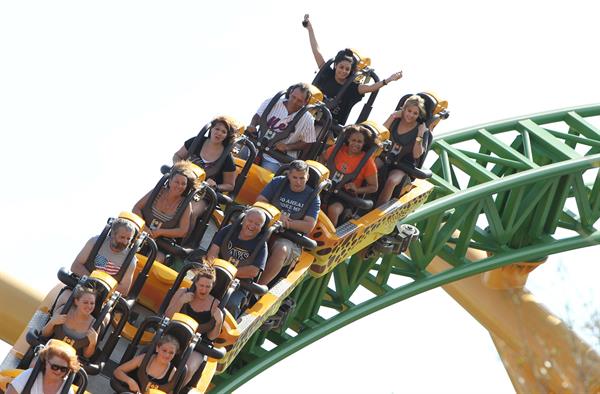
(519, 189)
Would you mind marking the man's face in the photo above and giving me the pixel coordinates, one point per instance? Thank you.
(120, 239)
(296, 101)
(252, 223)
(297, 180)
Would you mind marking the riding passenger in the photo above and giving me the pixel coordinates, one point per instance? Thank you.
(160, 215)
(344, 66)
(58, 361)
(199, 304)
(111, 255)
(75, 327)
(159, 370)
(407, 128)
(282, 113)
(292, 199)
(238, 250)
(221, 134)
(358, 141)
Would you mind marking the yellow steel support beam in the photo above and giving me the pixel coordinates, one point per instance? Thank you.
(19, 301)
(540, 352)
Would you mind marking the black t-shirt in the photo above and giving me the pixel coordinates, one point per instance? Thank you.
(330, 89)
(240, 250)
(228, 164)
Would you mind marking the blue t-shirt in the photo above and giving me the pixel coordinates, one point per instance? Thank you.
(292, 202)
(239, 250)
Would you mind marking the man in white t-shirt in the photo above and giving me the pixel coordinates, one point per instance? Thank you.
(282, 113)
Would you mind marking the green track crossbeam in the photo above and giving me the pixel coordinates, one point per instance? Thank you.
(524, 189)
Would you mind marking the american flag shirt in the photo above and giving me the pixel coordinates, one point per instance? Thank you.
(108, 261)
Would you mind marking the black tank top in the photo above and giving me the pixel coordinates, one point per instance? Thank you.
(154, 383)
(403, 143)
(205, 320)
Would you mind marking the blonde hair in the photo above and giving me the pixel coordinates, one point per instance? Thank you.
(56, 348)
(417, 101)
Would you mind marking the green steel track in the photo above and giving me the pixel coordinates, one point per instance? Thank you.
(519, 189)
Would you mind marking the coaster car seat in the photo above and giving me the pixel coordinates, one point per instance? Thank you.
(108, 302)
(139, 241)
(339, 178)
(181, 247)
(318, 180)
(392, 157)
(217, 166)
(222, 290)
(266, 139)
(362, 73)
(183, 329)
(39, 367)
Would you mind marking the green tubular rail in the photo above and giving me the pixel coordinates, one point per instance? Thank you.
(520, 189)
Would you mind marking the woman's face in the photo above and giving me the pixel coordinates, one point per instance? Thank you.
(57, 367)
(218, 133)
(356, 143)
(203, 287)
(342, 70)
(177, 184)
(166, 352)
(86, 303)
(410, 113)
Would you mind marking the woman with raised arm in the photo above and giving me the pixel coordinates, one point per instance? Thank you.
(333, 80)
(407, 128)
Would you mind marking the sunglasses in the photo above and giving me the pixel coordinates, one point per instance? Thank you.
(60, 368)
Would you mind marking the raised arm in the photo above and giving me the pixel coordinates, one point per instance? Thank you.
(362, 89)
(314, 46)
(395, 115)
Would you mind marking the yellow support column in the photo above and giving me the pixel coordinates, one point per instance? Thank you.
(19, 301)
(540, 352)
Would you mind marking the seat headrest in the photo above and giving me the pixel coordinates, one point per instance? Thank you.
(272, 213)
(316, 95)
(137, 221)
(186, 321)
(199, 171)
(317, 173)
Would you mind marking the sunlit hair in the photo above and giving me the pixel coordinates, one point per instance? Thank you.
(205, 271)
(256, 211)
(186, 168)
(299, 165)
(345, 55)
(80, 291)
(230, 124)
(120, 223)
(304, 88)
(168, 339)
(56, 348)
(416, 101)
(368, 136)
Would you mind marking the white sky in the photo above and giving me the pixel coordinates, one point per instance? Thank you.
(95, 97)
